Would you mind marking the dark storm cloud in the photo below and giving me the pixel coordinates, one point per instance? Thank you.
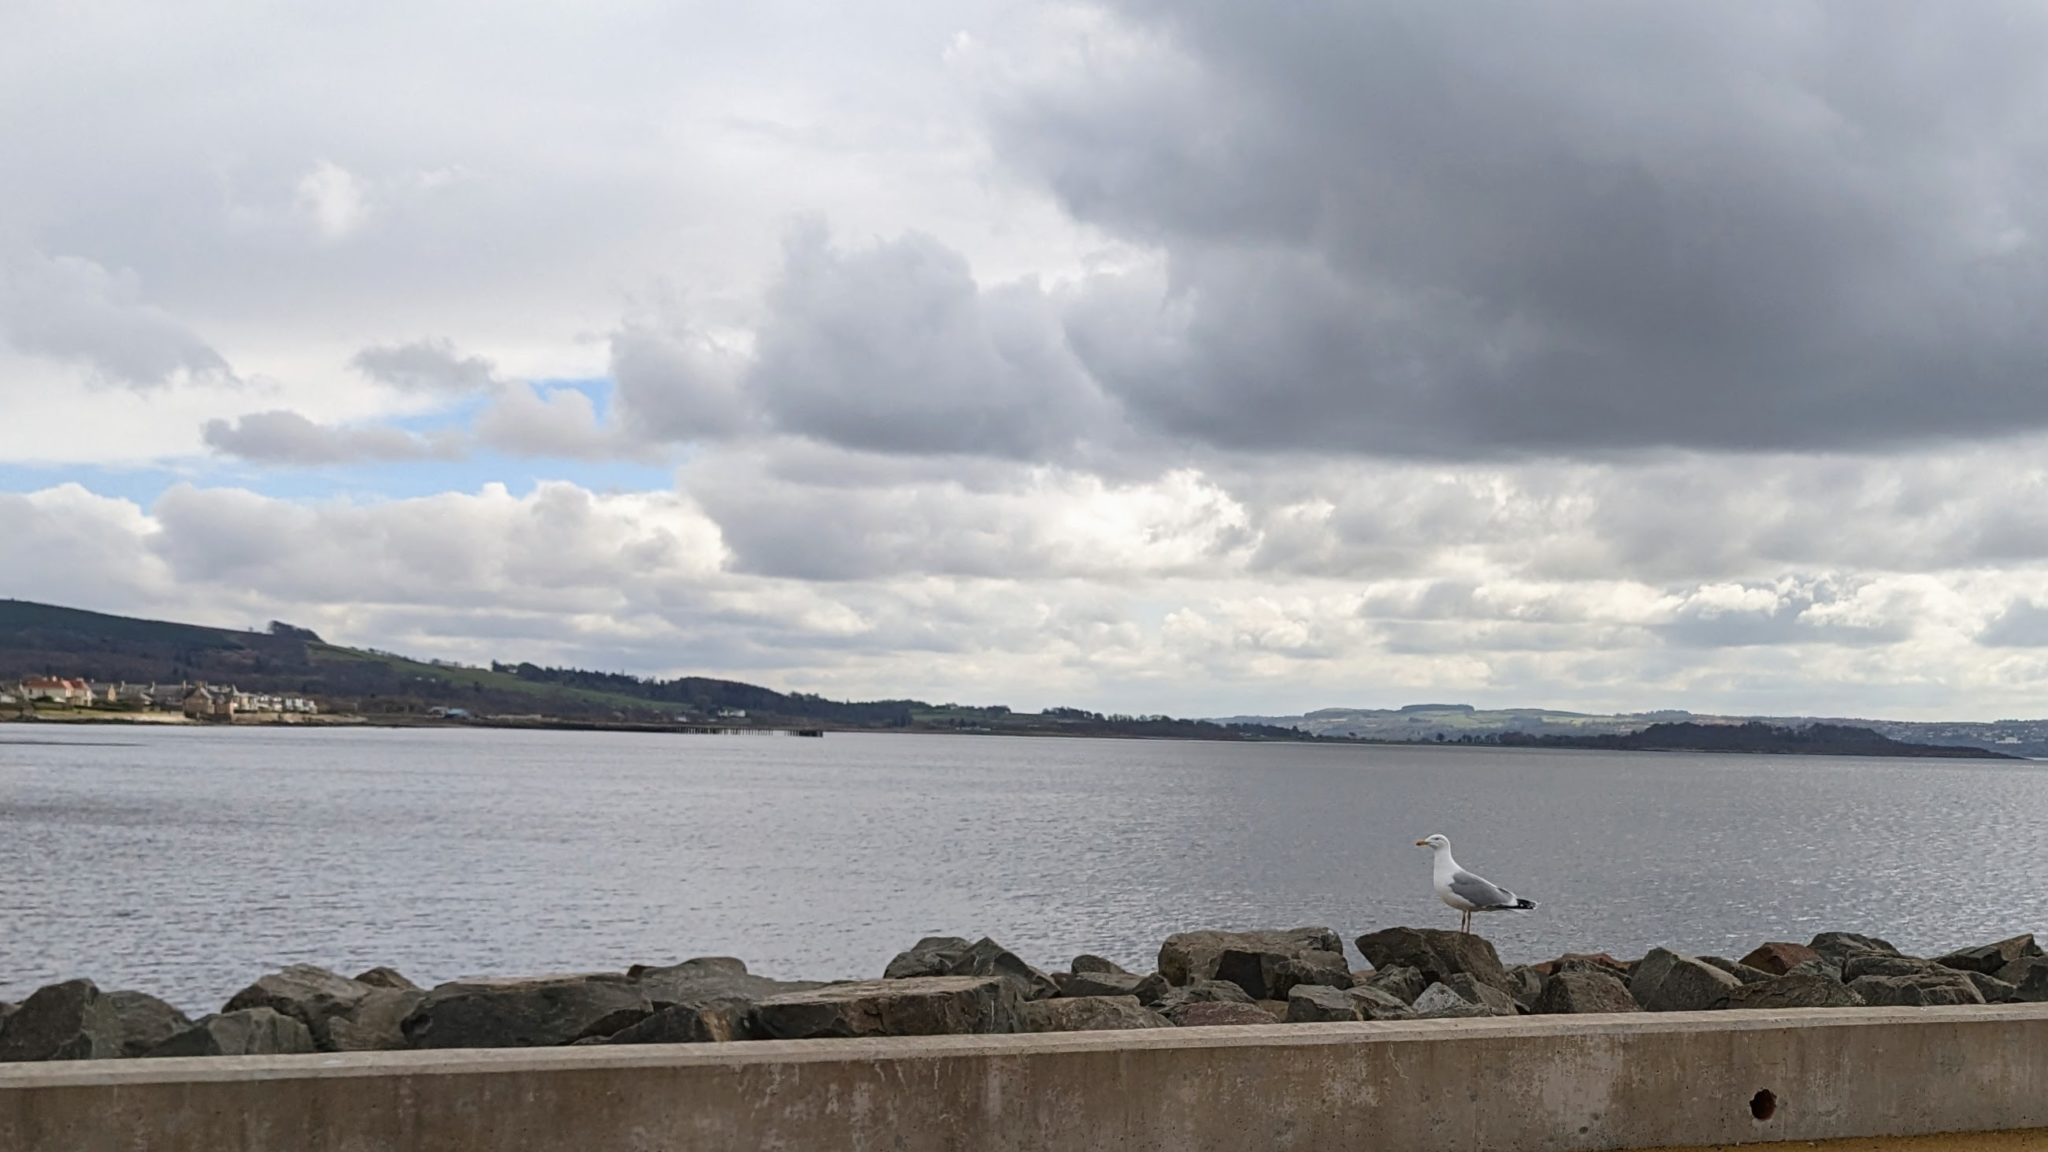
(1476, 228)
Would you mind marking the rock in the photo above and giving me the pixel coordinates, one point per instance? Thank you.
(1211, 1013)
(1436, 954)
(74, 1020)
(377, 1023)
(243, 1032)
(1088, 963)
(6, 1010)
(1839, 946)
(1862, 964)
(1376, 1003)
(1320, 1003)
(1916, 990)
(305, 992)
(1528, 984)
(1794, 990)
(985, 957)
(1576, 990)
(2031, 989)
(1087, 1014)
(702, 1022)
(1665, 981)
(1440, 1003)
(1994, 990)
(1819, 966)
(390, 978)
(1256, 961)
(1741, 972)
(931, 956)
(709, 978)
(1585, 962)
(1487, 996)
(1092, 983)
(145, 1021)
(1201, 992)
(2016, 972)
(1777, 958)
(1400, 981)
(526, 1013)
(1151, 988)
(1989, 958)
(907, 1006)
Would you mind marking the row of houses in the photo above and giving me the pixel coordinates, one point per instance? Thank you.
(198, 700)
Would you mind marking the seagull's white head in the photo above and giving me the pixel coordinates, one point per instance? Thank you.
(1437, 841)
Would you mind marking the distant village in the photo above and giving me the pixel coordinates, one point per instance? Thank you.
(194, 700)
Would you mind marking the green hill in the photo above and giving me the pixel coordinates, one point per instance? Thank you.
(43, 639)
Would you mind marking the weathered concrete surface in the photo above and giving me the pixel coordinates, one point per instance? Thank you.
(1500, 1084)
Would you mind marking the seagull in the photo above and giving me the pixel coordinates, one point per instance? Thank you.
(1464, 891)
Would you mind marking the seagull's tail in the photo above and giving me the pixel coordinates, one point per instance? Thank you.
(1524, 905)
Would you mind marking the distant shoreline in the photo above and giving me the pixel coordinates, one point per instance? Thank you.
(1881, 748)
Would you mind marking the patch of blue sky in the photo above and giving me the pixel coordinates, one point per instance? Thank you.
(367, 480)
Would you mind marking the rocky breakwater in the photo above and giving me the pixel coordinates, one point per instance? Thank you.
(951, 985)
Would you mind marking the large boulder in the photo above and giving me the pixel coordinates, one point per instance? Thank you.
(1577, 990)
(376, 1023)
(1862, 964)
(74, 1020)
(2033, 985)
(931, 956)
(1438, 1002)
(1087, 1014)
(1152, 989)
(1190, 956)
(1090, 963)
(1437, 954)
(1742, 972)
(1778, 957)
(2018, 972)
(709, 978)
(1916, 990)
(1492, 999)
(1377, 1003)
(985, 957)
(391, 978)
(1990, 958)
(1839, 946)
(910, 1006)
(243, 1032)
(1200, 992)
(1321, 1004)
(1094, 983)
(1666, 981)
(702, 1022)
(1584, 961)
(1399, 981)
(1795, 990)
(1994, 990)
(526, 1013)
(307, 993)
(1214, 1013)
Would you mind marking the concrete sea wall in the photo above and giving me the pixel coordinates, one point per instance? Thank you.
(1500, 1084)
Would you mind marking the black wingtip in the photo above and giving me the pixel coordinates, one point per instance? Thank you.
(1524, 905)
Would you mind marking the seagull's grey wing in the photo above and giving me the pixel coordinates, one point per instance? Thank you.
(1479, 892)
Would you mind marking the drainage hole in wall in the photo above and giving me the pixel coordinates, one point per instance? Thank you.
(1763, 1105)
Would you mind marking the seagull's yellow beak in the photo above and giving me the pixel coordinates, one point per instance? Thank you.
(1422, 843)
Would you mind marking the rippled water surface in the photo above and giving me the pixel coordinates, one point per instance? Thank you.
(187, 861)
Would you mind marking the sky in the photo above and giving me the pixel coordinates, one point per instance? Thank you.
(1187, 357)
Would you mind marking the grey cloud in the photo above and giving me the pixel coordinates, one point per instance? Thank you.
(73, 309)
(558, 422)
(675, 384)
(425, 366)
(2023, 624)
(1497, 228)
(292, 440)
